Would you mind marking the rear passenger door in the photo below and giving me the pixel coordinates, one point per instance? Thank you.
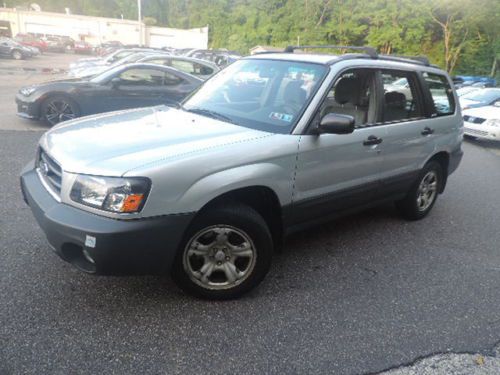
(409, 138)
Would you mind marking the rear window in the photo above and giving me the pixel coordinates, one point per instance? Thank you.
(442, 94)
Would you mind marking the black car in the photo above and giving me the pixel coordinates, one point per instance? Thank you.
(125, 86)
(10, 48)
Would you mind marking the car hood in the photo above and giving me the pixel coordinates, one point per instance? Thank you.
(468, 103)
(486, 112)
(114, 143)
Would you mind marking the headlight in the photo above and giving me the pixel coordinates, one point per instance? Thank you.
(115, 194)
(493, 122)
(27, 91)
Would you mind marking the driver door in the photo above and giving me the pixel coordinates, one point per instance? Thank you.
(336, 172)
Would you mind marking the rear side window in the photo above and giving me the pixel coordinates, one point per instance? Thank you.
(442, 94)
(401, 99)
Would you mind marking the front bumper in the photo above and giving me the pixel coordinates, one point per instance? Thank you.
(101, 245)
(482, 131)
(26, 108)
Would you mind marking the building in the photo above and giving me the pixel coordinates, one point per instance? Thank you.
(96, 30)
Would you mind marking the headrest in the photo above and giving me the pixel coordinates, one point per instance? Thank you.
(347, 90)
(395, 99)
(294, 93)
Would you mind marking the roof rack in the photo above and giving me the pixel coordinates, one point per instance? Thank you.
(423, 60)
(370, 51)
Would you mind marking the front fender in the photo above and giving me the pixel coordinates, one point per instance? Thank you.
(272, 176)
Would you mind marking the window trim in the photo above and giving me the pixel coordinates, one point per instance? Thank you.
(411, 77)
(432, 108)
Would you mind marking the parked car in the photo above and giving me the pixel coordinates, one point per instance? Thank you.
(12, 49)
(466, 90)
(462, 81)
(199, 68)
(89, 71)
(107, 47)
(269, 146)
(480, 98)
(483, 122)
(105, 60)
(125, 86)
(55, 44)
(31, 41)
(83, 47)
(220, 57)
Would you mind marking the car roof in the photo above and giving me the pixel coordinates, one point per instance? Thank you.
(298, 57)
(330, 59)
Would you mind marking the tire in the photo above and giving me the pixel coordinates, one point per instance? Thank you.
(58, 108)
(423, 194)
(17, 55)
(223, 243)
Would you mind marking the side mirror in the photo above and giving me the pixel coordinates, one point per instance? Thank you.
(115, 82)
(333, 123)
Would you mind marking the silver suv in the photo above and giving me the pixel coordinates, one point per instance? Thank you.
(268, 146)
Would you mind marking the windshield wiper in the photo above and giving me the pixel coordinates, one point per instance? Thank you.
(210, 113)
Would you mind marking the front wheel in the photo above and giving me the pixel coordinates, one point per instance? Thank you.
(226, 252)
(17, 55)
(423, 194)
(57, 109)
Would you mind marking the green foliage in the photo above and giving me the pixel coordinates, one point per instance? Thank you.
(462, 36)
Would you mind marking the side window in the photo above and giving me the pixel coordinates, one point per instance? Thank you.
(202, 69)
(352, 94)
(172, 80)
(400, 96)
(183, 66)
(142, 77)
(442, 94)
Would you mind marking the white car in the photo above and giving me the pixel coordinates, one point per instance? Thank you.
(483, 122)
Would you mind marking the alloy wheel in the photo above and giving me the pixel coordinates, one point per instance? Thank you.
(58, 111)
(219, 257)
(427, 191)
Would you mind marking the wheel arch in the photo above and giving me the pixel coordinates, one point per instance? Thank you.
(51, 94)
(262, 199)
(443, 158)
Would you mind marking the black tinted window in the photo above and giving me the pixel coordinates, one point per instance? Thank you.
(400, 97)
(442, 94)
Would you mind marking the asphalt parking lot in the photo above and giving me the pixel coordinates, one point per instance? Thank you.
(360, 295)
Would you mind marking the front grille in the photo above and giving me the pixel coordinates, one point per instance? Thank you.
(474, 120)
(475, 132)
(50, 172)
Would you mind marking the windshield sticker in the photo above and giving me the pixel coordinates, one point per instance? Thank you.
(281, 116)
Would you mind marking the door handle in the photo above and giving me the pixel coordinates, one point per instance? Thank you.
(427, 131)
(372, 140)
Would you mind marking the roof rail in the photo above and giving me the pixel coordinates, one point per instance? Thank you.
(370, 51)
(423, 60)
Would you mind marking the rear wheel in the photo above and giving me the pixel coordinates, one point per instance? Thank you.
(59, 108)
(423, 194)
(227, 251)
(17, 55)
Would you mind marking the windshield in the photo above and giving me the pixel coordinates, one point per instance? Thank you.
(483, 96)
(266, 95)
